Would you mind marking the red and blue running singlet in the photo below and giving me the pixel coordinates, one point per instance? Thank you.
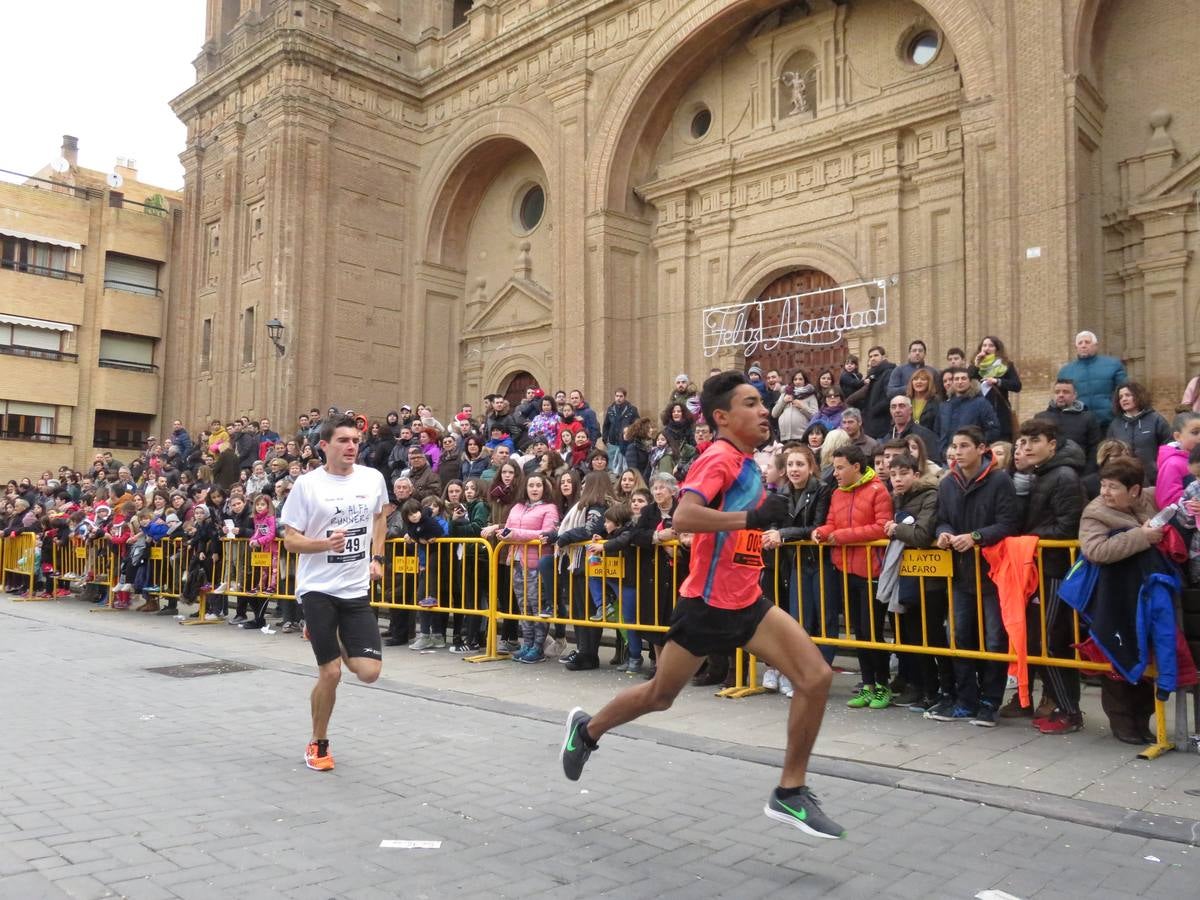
(725, 565)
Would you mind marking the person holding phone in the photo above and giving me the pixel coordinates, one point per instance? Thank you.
(333, 520)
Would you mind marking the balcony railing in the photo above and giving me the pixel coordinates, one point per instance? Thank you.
(131, 288)
(106, 363)
(47, 271)
(119, 201)
(116, 442)
(38, 353)
(6, 435)
(58, 187)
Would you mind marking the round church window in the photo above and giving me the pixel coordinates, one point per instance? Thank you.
(531, 208)
(701, 122)
(923, 48)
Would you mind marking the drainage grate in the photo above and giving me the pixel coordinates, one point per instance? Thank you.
(200, 669)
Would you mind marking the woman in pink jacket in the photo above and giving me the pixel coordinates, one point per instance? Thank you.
(534, 520)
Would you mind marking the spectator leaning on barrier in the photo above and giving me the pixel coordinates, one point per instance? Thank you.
(1051, 498)
(1115, 527)
(977, 507)
(1095, 376)
(858, 510)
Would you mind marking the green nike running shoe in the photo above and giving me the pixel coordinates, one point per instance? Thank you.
(574, 752)
(804, 812)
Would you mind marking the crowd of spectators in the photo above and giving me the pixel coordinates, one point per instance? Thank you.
(902, 453)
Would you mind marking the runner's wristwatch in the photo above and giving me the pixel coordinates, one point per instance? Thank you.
(977, 537)
(377, 558)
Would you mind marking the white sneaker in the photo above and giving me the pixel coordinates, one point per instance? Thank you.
(785, 686)
(423, 642)
(220, 588)
(267, 629)
(770, 680)
(213, 617)
(554, 647)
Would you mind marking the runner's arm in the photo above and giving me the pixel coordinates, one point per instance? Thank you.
(692, 515)
(296, 542)
(378, 534)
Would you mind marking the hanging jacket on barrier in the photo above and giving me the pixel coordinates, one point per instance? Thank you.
(1132, 613)
(1014, 571)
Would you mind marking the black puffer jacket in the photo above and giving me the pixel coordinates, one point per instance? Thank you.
(986, 503)
(807, 508)
(1145, 433)
(1054, 504)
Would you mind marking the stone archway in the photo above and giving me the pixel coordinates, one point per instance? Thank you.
(637, 112)
(515, 384)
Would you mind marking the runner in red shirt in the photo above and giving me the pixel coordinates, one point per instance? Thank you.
(721, 606)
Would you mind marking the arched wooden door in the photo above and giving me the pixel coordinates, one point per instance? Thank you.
(514, 392)
(788, 357)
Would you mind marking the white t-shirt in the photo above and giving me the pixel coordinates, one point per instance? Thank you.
(321, 503)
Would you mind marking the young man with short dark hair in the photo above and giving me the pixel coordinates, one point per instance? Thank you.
(1051, 497)
(977, 507)
(721, 606)
(333, 520)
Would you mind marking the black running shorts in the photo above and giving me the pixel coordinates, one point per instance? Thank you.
(353, 620)
(701, 629)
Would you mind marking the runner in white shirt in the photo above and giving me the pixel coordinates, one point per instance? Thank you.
(333, 520)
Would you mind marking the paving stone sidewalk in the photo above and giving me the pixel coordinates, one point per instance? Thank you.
(124, 782)
(1087, 766)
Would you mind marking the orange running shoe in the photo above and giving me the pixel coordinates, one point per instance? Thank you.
(318, 763)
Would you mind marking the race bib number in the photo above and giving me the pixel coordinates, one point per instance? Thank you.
(747, 549)
(355, 549)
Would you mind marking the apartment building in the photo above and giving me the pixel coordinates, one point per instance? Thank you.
(84, 269)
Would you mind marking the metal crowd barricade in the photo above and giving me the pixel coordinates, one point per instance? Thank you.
(927, 565)
(445, 576)
(170, 559)
(636, 587)
(265, 572)
(20, 552)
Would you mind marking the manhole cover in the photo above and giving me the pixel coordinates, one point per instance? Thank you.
(200, 669)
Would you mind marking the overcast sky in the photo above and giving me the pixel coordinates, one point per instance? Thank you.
(104, 71)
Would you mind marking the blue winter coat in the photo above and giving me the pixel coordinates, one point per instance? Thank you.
(1096, 377)
(958, 412)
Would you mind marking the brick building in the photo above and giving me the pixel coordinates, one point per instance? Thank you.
(85, 264)
(437, 199)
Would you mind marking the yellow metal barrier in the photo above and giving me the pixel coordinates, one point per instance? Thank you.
(633, 590)
(20, 552)
(443, 577)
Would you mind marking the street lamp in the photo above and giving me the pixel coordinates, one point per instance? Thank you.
(275, 333)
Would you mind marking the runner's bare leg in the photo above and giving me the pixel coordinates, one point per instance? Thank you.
(324, 693)
(675, 668)
(782, 643)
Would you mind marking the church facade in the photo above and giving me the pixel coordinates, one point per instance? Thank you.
(441, 199)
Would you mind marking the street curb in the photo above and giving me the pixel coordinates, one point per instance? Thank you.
(1050, 806)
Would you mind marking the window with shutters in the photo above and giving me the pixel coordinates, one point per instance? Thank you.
(127, 351)
(34, 341)
(121, 429)
(248, 337)
(28, 421)
(35, 257)
(129, 273)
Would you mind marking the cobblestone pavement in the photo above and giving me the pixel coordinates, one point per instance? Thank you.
(120, 781)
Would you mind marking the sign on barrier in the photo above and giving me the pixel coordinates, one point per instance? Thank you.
(260, 559)
(156, 553)
(405, 565)
(81, 552)
(927, 564)
(606, 567)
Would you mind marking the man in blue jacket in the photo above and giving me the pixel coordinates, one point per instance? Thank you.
(1096, 377)
(965, 407)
